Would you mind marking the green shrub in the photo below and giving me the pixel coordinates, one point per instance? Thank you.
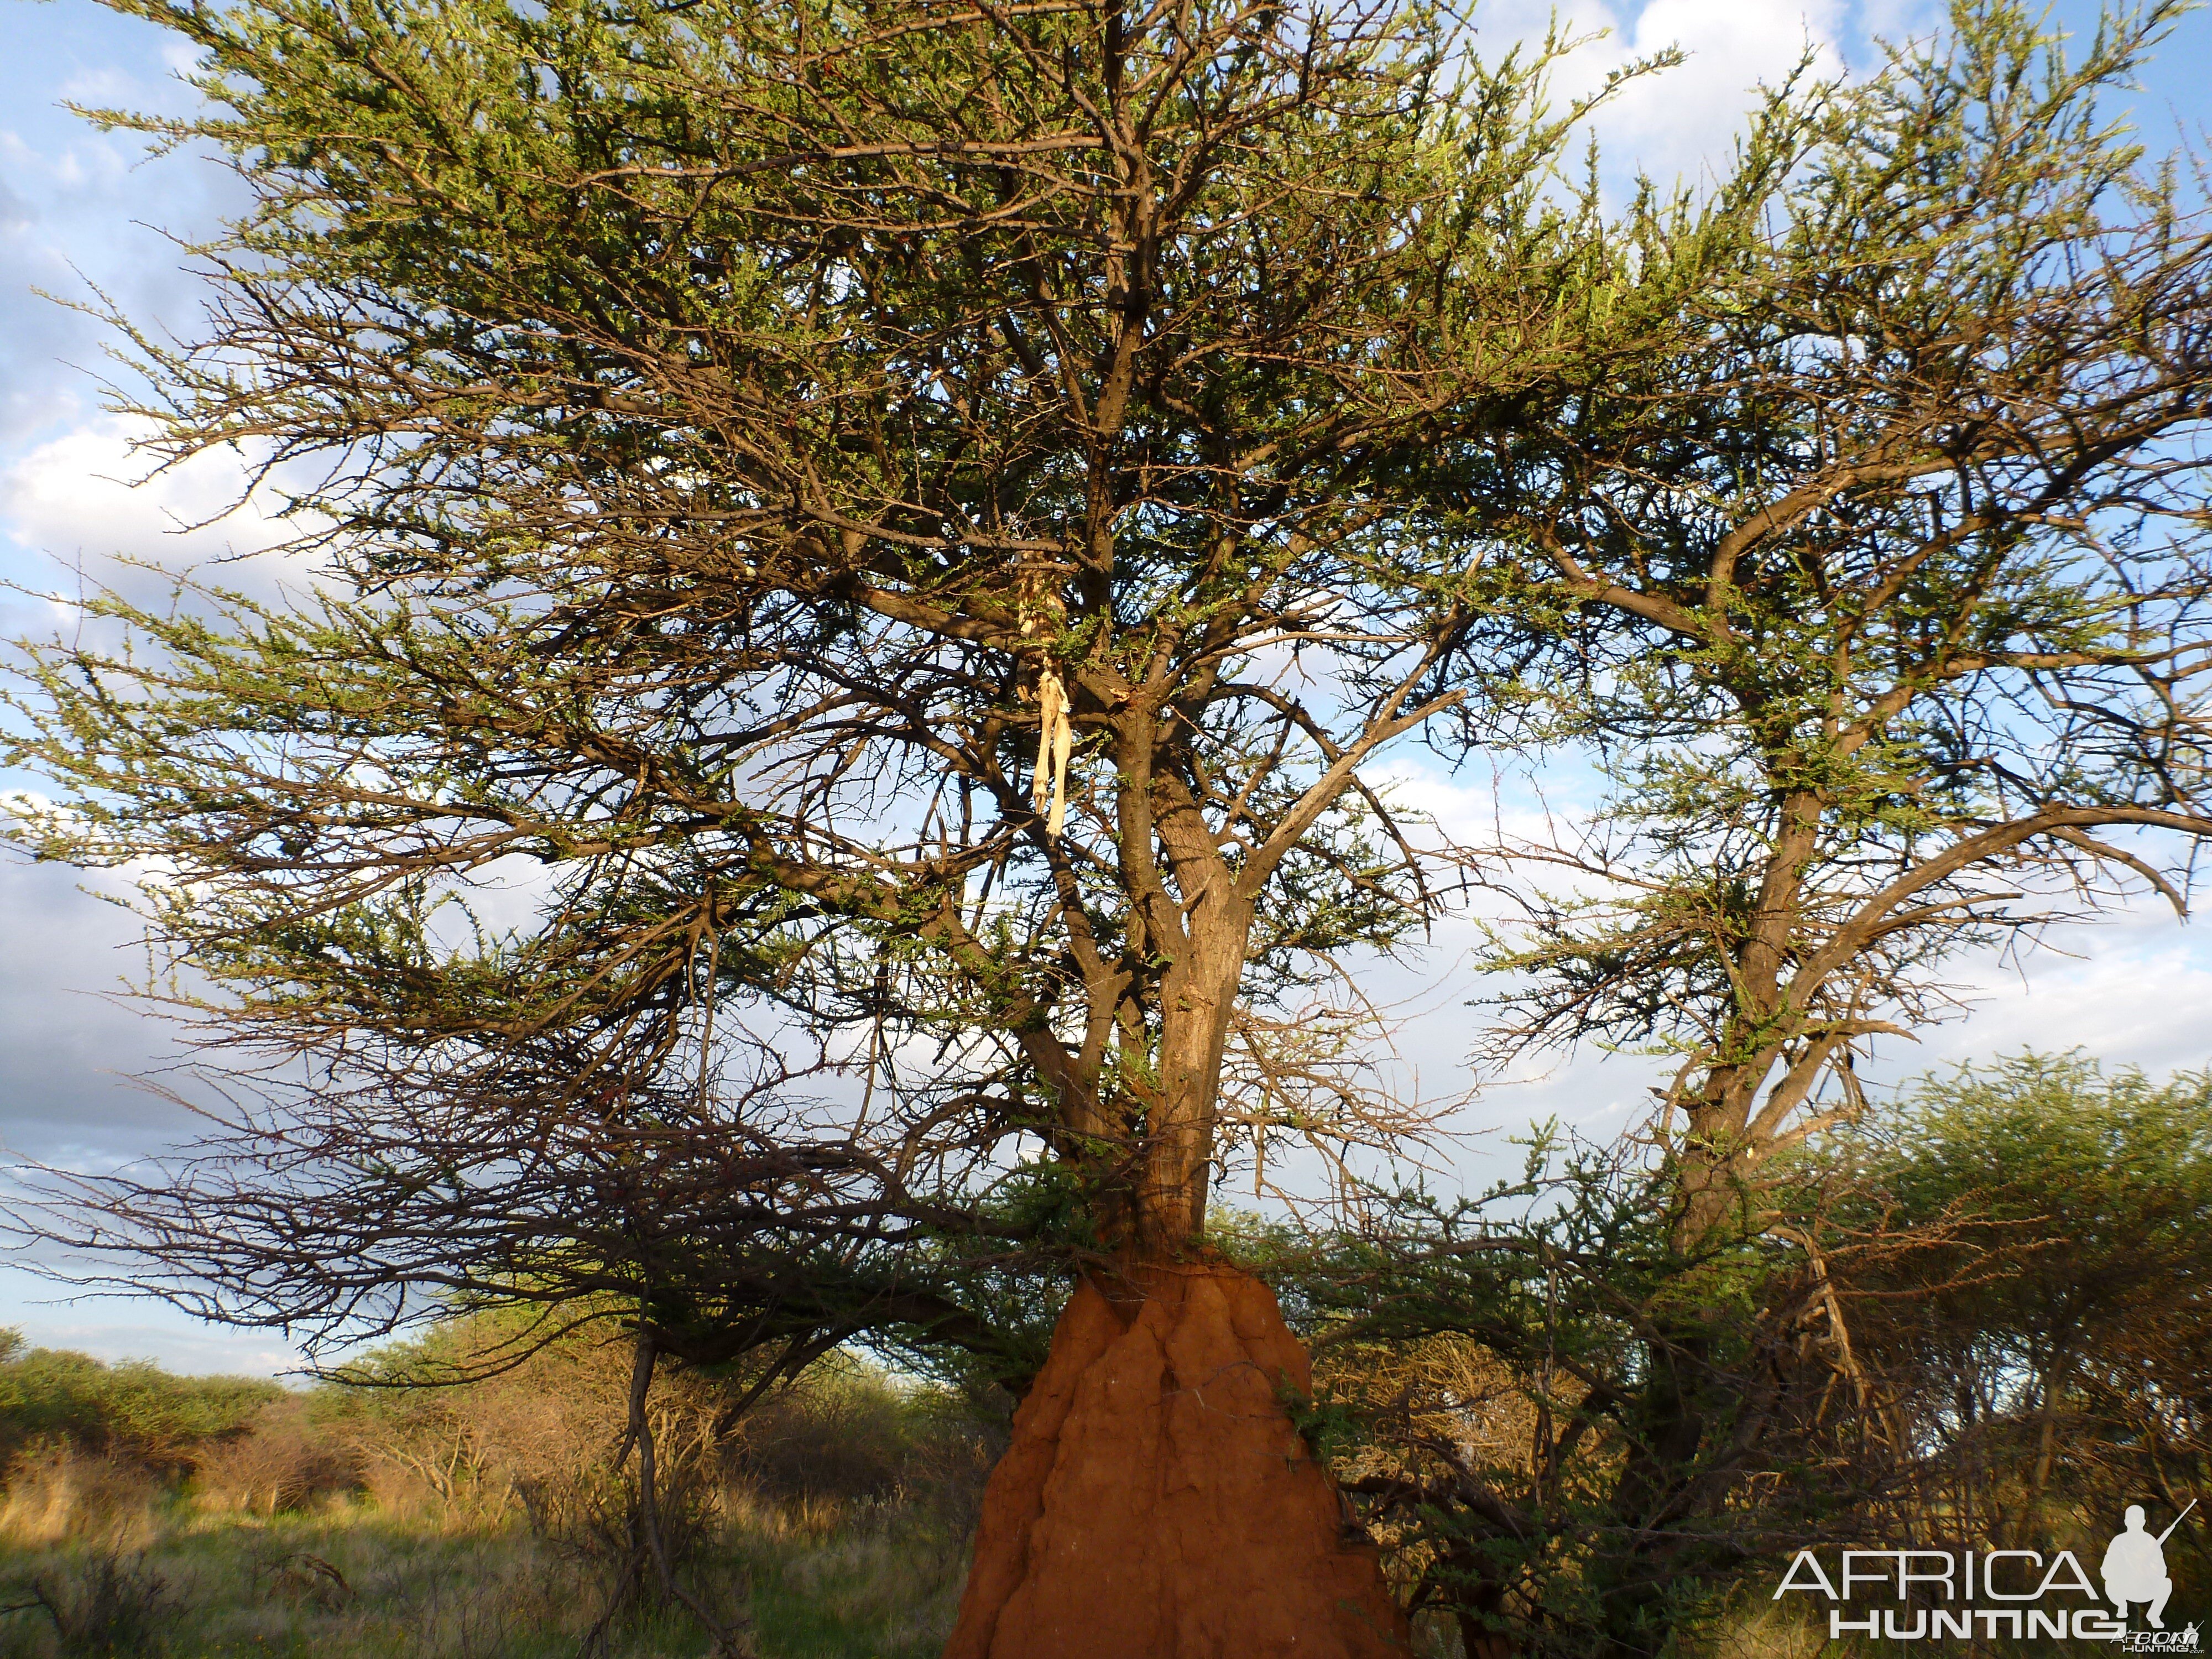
(134, 1410)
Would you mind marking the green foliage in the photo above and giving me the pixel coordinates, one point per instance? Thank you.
(2090, 1187)
(2049, 1331)
(133, 1410)
(1891, 584)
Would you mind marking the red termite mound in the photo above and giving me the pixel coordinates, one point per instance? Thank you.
(1157, 1503)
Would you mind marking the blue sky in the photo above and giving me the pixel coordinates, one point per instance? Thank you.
(79, 209)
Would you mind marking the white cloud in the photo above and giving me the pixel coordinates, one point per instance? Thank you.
(91, 158)
(2132, 990)
(86, 501)
(86, 492)
(1682, 124)
(1678, 123)
(103, 87)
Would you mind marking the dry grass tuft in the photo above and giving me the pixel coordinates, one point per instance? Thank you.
(57, 1494)
(284, 1460)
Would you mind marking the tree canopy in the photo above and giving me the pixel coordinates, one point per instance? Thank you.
(912, 519)
(1905, 598)
(1883, 599)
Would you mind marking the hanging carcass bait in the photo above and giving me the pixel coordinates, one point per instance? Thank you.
(1055, 741)
(1055, 734)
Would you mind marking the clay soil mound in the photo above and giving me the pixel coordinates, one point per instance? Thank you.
(1156, 1503)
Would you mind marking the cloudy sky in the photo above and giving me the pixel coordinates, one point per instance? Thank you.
(82, 210)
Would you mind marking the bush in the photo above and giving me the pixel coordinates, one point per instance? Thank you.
(2045, 1344)
(135, 1411)
(845, 1432)
(497, 1516)
(284, 1459)
(102, 1606)
(58, 1494)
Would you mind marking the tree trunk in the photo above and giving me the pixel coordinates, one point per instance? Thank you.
(2046, 1444)
(1478, 1639)
(1636, 1575)
(1196, 995)
(1668, 1424)
(1156, 1502)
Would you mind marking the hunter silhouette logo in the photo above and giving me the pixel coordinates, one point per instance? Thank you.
(2135, 1567)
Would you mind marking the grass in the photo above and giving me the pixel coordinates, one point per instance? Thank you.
(194, 1518)
(874, 1583)
(348, 1580)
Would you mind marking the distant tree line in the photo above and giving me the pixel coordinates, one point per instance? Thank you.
(135, 1412)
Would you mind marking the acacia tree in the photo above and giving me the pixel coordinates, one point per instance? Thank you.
(1894, 616)
(2055, 1346)
(1917, 600)
(910, 515)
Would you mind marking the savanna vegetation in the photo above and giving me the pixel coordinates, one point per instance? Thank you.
(497, 1519)
(2001, 1283)
(900, 535)
(2014, 1268)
